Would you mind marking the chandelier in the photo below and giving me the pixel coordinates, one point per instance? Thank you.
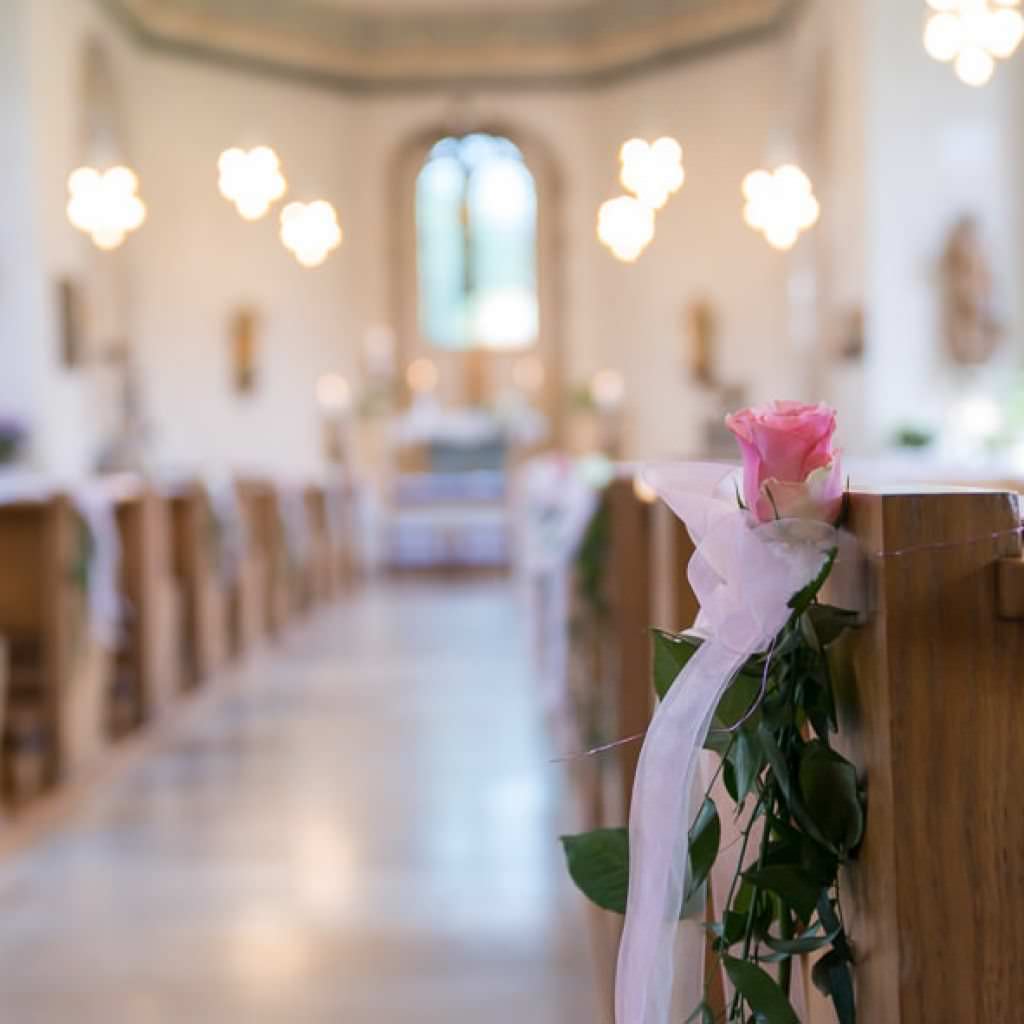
(251, 180)
(972, 34)
(626, 226)
(780, 204)
(310, 231)
(651, 172)
(105, 205)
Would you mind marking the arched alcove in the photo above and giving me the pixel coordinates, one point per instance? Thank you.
(462, 363)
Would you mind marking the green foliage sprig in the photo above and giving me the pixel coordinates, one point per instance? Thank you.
(798, 801)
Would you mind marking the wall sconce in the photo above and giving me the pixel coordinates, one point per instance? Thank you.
(105, 205)
(972, 34)
(780, 204)
(251, 180)
(310, 231)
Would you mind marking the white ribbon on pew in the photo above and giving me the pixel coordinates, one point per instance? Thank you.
(744, 577)
(557, 505)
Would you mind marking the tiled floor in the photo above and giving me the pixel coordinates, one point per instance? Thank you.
(363, 830)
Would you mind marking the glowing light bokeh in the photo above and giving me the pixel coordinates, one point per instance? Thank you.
(105, 205)
(506, 318)
(780, 204)
(252, 180)
(607, 390)
(333, 393)
(972, 35)
(626, 226)
(652, 171)
(310, 231)
(422, 376)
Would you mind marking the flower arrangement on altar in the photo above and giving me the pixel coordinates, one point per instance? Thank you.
(749, 682)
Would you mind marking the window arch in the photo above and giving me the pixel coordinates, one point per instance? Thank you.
(476, 245)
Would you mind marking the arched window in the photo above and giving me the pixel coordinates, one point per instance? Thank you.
(476, 245)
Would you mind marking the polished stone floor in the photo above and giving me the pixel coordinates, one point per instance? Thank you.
(362, 828)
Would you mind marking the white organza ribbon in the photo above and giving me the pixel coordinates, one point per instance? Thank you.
(744, 577)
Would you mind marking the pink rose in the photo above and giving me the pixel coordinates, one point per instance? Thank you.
(790, 469)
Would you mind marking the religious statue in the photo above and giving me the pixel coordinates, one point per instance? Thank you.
(972, 324)
(701, 331)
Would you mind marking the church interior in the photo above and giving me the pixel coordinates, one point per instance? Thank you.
(335, 336)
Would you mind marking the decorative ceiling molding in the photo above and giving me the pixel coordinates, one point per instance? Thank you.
(355, 50)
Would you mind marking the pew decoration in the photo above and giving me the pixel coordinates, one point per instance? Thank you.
(751, 683)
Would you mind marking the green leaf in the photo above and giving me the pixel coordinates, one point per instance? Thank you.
(831, 976)
(598, 863)
(730, 930)
(705, 836)
(829, 622)
(736, 703)
(670, 656)
(702, 1015)
(802, 599)
(761, 991)
(747, 761)
(782, 776)
(828, 786)
(811, 941)
(790, 884)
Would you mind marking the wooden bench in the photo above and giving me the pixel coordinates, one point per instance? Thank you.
(204, 600)
(247, 590)
(147, 667)
(932, 712)
(58, 672)
(262, 513)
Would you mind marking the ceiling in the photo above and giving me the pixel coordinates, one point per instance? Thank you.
(395, 44)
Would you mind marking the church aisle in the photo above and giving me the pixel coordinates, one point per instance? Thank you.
(363, 829)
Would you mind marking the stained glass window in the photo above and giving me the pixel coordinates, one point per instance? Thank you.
(476, 227)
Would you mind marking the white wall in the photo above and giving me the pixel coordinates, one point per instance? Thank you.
(905, 150)
(173, 286)
(21, 292)
(72, 411)
(935, 149)
(630, 317)
(198, 261)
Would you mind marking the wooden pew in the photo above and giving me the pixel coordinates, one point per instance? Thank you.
(248, 604)
(260, 500)
(631, 602)
(610, 676)
(58, 673)
(932, 712)
(147, 672)
(324, 564)
(340, 498)
(204, 600)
